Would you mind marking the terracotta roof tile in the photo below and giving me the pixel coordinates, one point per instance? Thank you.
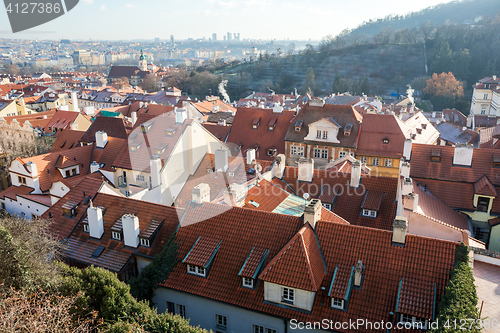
(13, 191)
(416, 297)
(114, 127)
(254, 263)
(66, 139)
(484, 187)
(202, 252)
(372, 200)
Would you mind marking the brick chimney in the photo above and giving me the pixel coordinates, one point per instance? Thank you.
(463, 154)
(201, 193)
(306, 169)
(312, 212)
(358, 273)
(131, 231)
(399, 230)
(96, 224)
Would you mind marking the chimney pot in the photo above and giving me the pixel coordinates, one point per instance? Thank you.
(279, 166)
(101, 139)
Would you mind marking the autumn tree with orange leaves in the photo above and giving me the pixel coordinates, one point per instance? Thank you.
(443, 90)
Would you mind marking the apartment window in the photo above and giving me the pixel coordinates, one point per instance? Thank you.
(327, 206)
(116, 235)
(139, 178)
(388, 162)
(375, 161)
(364, 159)
(342, 154)
(196, 270)
(73, 172)
(144, 242)
(22, 180)
(318, 134)
(369, 213)
(86, 227)
(324, 153)
(416, 322)
(127, 194)
(483, 110)
(221, 321)
(181, 310)
(483, 204)
(262, 329)
(325, 135)
(337, 303)
(485, 96)
(297, 150)
(171, 307)
(247, 282)
(3, 205)
(288, 295)
(67, 173)
(317, 153)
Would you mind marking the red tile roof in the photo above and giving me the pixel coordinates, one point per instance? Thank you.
(202, 251)
(372, 200)
(37, 120)
(254, 262)
(416, 297)
(261, 138)
(376, 128)
(333, 188)
(299, 264)
(484, 187)
(114, 127)
(240, 230)
(62, 120)
(66, 139)
(13, 191)
(219, 131)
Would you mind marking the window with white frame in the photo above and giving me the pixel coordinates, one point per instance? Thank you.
(247, 282)
(327, 206)
(483, 110)
(262, 329)
(325, 135)
(337, 303)
(196, 270)
(485, 96)
(363, 159)
(375, 161)
(288, 295)
(324, 153)
(318, 134)
(317, 153)
(139, 178)
(116, 235)
(144, 242)
(297, 150)
(342, 154)
(388, 162)
(416, 322)
(86, 227)
(221, 321)
(181, 310)
(171, 307)
(369, 213)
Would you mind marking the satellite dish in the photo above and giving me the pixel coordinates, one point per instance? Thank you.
(306, 196)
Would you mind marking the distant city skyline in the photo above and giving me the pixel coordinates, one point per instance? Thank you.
(252, 19)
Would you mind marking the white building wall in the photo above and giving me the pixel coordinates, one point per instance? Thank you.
(24, 208)
(303, 299)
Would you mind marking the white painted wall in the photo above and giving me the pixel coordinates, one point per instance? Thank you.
(57, 191)
(303, 299)
(24, 208)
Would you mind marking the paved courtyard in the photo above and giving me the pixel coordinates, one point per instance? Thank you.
(488, 290)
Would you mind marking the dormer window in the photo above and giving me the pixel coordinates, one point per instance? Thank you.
(272, 124)
(496, 160)
(347, 129)
(369, 213)
(256, 123)
(196, 270)
(247, 283)
(287, 295)
(385, 141)
(413, 322)
(337, 303)
(169, 131)
(144, 242)
(22, 180)
(298, 125)
(483, 203)
(436, 155)
(86, 227)
(69, 209)
(116, 235)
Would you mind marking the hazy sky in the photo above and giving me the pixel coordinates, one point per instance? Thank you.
(255, 19)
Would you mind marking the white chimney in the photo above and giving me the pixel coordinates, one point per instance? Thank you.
(312, 212)
(411, 202)
(215, 109)
(235, 195)
(306, 169)
(141, 104)
(32, 168)
(155, 165)
(180, 116)
(358, 273)
(279, 166)
(94, 167)
(399, 230)
(133, 115)
(277, 108)
(221, 160)
(463, 154)
(407, 186)
(96, 223)
(250, 156)
(407, 149)
(201, 193)
(355, 174)
(317, 102)
(101, 139)
(74, 101)
(63, 107)
(89, 110)
(404, 169)
(131, 230)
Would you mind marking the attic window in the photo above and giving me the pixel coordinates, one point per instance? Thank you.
(134, 146)
(116, 235)
(272, 124)
(337, 303)
(169, 131)
(385, 141)
(369, 213)
(436, 155)
(413, 136)
(271, 152)
(298, 125)
(413, 322)
(424, 126)
(419, 130)
(347, 129)
(86, 227)
(256, 123)
(69, 209)
(196, 270)
(496, 160)
(247, 282)
(160, 150)
(146, 126)
(144, 242)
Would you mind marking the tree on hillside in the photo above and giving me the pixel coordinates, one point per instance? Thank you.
(151, 83)
(309, 82)
(365, 86)
(12, 69)
(340, 85)
(443, 90)
(426, 28)
(444, 59)
(121, 83)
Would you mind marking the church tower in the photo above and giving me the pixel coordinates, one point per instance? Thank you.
(143, 63)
